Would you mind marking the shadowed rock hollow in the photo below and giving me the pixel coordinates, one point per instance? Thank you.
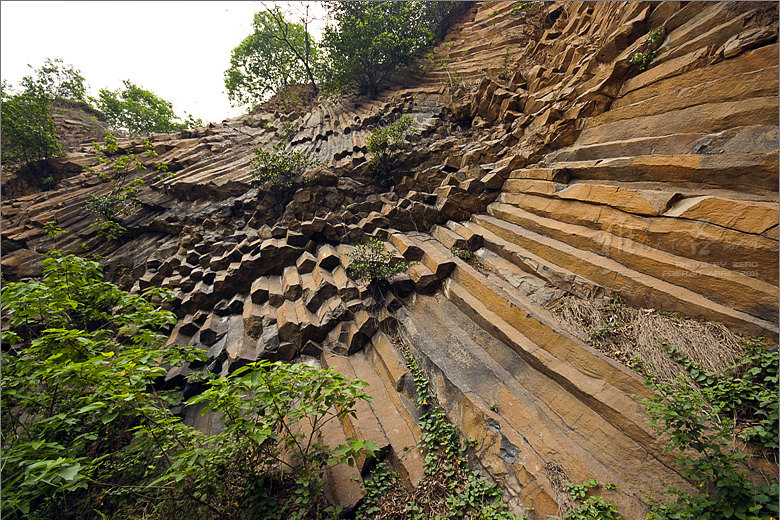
(564, 168)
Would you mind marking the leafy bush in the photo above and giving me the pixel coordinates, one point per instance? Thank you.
(89, 433)
(387, 138)
(141, 111)
(271, 411)
(280, 167)
(27, 127)
(591, 507)
(370, 262)
(384, 143)
(644, 58)
(107, 207)
(75, 393)
(699, 420)
(122, 201)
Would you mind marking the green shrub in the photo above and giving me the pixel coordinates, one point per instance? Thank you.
(280, 167)
(386, 138)
(27, 127)
(644, 58)
(698, 413)
(591, 507)
(384, 144)
(107, 207)
(123, 200)
(89, 433)
(370, 262)
(505, 73)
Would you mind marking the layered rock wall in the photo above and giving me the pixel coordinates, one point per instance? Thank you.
(547, 153)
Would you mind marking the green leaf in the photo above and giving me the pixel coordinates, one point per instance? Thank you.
(91, 406)
(69, 472)
(110, 416)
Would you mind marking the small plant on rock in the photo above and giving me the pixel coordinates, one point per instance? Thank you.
(122, 201)
(443, 63)
(280, 167)
(384, 143)
(371, 263)
(464, 254)
(504, 73)
(644, 58)
(591, 507)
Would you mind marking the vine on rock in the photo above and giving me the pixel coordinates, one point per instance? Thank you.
(449, 489)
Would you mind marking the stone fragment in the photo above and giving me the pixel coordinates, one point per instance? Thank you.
(291, 283)
(328, 257)
(306, 263)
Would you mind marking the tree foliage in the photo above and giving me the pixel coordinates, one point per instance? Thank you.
(141, 111)
(278, 53)
(57, 80)
(89, 432)
(27, 127)
(371, 40)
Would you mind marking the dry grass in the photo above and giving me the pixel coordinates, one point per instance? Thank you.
(623, 333)
(558, 480)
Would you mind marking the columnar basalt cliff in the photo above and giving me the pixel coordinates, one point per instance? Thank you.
(545, 151)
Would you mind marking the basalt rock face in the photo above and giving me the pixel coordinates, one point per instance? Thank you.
(546, 152)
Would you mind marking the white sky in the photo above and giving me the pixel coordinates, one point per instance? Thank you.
(178, 50)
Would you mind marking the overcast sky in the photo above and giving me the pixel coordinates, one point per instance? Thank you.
(178, 50)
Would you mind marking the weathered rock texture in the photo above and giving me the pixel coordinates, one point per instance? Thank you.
(545, 151)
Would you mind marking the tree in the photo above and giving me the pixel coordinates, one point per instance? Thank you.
(141, 111)
(57, 80)
(27, 127)
(371, 40)
(278, 53)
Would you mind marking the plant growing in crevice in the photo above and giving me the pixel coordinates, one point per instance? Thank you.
(384, 144)
(448, 489)
(464, 254)
(505, 73)
(286, 132)
(591, 507)
(122, 201)
(371, 262)
(643, 58)
(443, 63)
(281, 168)
(373, 265)
(524, 7)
